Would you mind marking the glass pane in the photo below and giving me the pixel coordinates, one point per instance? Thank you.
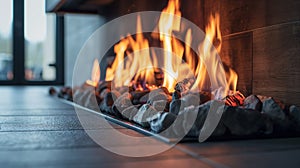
(6, 61)
(39, 42)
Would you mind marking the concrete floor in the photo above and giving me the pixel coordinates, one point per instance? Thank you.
(39, 131)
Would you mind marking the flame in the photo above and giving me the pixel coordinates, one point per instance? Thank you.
(134, 64)
(210, 48)
(197, 66)
(137, 64)
(169, 21)
(232, 79)
(213, 33)
(139, 59)
(95, 75)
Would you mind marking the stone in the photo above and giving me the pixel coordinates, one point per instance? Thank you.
(76, 95)
(162, 90)
(191, 99)
(184, 85)
(241, 121)
(142, 100)
(123, 89)
(160, 105)
(176, 95)
(253, 102)
(139, 97)
(188, 122)
(86, 98)
(105, 109)
(294, 113)
(82, 97)
(281, 104)
(66, 93)
(121, 103)
(109, 99)
(107, 103)
(175, 106)
(184, 123)
(91, 101)
(157, 96)
(144, 114)
(162, 121)
(165, 90)
(220, 130)
(52, 91)
(103, 85)
(263, 98)
(129, 112)
(272, 109)
(201, 111)
(282, 124)
(103, 93)
(202, 114)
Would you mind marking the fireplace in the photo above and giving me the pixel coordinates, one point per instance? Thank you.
(258, 43)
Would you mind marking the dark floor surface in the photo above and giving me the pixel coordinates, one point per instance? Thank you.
(37, 130)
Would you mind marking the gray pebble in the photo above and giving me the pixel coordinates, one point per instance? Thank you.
(160, 105)
(175, 106)
(129, 112)
(253, 102)
(272, 109)
(144, 115)
(162, 121)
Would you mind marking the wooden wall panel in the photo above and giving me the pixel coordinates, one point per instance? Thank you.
(193, 11)
(275, 29)
(276, 62)
(244, 15)
(237, 53)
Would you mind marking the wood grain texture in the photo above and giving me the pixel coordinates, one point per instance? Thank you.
(244, 15)
(236, 53)
(276, 62)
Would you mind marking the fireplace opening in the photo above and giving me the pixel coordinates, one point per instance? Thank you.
(249, 48)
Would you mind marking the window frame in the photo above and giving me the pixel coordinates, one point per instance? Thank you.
(18, 49)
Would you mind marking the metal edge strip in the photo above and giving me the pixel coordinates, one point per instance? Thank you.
(125, 124)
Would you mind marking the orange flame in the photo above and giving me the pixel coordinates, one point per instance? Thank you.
(139, 60)
(138, 64)
(213, 33)
(210, 48)
(169, 21)
(95, 75)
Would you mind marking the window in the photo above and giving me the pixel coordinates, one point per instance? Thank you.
(6, 56)
(31, 43)
(39, 42)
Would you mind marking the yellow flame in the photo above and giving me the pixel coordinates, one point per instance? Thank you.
(138, 55)
(95, 75)
(138, 60)
(168, 22)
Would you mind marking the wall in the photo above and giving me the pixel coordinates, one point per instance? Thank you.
(78, 28)
(261, 42)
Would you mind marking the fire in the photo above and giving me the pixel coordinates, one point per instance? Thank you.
(210, 48)
(213, 33)
(95, 75)
(135, 64)
(166, 25)
(232, 79)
